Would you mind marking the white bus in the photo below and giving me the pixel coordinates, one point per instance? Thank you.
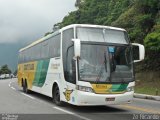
(82, 65)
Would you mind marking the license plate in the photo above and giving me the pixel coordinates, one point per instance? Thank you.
(110, 99)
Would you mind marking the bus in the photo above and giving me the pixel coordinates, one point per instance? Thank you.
(81, 64)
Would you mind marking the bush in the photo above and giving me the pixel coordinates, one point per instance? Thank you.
(152, 41)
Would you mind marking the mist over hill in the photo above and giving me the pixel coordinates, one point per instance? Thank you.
(9, 54)
(22, 22)
(141, 18)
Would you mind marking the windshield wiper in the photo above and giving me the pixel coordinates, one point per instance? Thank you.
(105, 61)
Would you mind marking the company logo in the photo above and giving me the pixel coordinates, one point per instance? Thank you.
(101, 86)
(67, 94)
(29, 67)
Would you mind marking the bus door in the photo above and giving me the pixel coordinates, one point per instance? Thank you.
(70, 76)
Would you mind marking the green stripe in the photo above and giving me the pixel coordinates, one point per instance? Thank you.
(119, 87)
(41, 72)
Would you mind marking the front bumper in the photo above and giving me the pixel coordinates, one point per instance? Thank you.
(92, 99)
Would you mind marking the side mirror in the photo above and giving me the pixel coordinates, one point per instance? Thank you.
(77, 47)
(141, 52)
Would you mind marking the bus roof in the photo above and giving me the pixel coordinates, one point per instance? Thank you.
(67, 27)
(92, 26)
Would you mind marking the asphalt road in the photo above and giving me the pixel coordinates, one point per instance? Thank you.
(14, 104)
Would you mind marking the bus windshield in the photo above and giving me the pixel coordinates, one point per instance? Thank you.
(105, 56)
(93, 63)
(102, 63)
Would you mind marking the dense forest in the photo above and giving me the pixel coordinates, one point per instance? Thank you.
(141, 18)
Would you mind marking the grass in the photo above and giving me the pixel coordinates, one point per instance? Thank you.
(147, 90)
(148, 83)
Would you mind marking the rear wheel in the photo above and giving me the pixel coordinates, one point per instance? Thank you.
(56, 96)
(25, 87)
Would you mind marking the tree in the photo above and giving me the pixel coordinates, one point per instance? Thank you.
(15, 72)
(5, 70)
(141, 19)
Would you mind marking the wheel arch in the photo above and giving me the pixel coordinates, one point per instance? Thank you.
(60, 89)
(60, 101)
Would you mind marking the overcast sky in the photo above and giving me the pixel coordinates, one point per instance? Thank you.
(27, 20)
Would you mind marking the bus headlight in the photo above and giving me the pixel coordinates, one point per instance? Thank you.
(129, 89)
(84, 88)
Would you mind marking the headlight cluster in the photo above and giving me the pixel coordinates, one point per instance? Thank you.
(129, 89)
(84, 88)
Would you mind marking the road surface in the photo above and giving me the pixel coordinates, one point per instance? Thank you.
(20, 106)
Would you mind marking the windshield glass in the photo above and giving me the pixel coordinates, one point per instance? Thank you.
(93, 65)
(102, 63)
(102, 35)
(109, 59)
(121, 65)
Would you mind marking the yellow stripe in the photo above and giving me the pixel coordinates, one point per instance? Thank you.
(101, 88)
(140, 109)
(104, 89)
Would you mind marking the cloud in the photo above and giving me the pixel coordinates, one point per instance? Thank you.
(27, 20)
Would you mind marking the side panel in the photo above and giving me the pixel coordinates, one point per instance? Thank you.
(54, 74)
(33, 72)
(26, 71)
(41, 72)
(41, 75)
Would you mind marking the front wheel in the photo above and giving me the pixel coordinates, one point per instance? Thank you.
(56, 96)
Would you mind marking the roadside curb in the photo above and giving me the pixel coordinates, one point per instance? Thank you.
(144, 96)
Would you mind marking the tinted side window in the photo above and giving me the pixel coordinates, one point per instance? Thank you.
(20, 57)
(44, 49)
(25, 55)
(54, 46)
(36, 54)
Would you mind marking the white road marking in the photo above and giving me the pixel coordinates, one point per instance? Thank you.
(71, 113)
(64, 110)
(21, 93)
(9, 84)
(13, 88)
(60, 109)
(28, 95)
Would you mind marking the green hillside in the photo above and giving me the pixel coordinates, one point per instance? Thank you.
(141, 18)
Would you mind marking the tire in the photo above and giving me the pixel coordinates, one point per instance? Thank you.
(56, 96)
(25, 87)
